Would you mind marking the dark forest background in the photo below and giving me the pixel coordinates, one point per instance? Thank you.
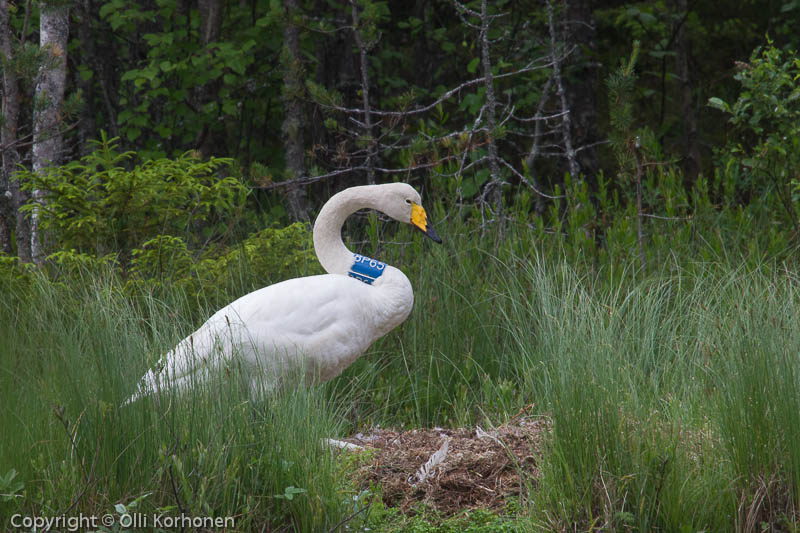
(510, 110)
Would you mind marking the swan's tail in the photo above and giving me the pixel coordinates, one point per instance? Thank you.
(180, 369)
(148, 385)
(187, 364)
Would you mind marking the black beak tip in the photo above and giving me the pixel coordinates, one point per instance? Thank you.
(433, 235)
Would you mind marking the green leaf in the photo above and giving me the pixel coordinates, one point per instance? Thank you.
(468, 187)
(124, 115)
(473, 65)
(719, 103)
(131, 75)
(163, 130)
(290, 492)
(85, 72)
(229, 107)
(238, 64)
(133, 133)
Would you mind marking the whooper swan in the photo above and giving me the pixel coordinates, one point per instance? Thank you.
(317, 325)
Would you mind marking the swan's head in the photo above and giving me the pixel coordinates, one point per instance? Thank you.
(402, 202)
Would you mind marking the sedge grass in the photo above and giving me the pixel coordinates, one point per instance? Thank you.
(72, 354)
(672, 394)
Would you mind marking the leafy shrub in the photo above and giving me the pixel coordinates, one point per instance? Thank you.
(766, 118)
(100, 205)
(12, 273)
(265, 257)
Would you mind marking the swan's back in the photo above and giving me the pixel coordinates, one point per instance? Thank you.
(316, 326)
(327, 320)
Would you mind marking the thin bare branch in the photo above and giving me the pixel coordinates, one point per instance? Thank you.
(527, 182)
(574, 167)
(533, 65)
(363, 49)
(494, 188)
(328, 175)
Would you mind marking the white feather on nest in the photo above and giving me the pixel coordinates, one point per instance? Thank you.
(427, 469)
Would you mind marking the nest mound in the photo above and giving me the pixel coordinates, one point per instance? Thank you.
(453, 469)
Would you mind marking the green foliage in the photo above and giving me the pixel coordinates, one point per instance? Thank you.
(266, 257)
(100, 205)
(621, 84)
(644, 378)
(766, 118)
(176, 89)
(672, 401)
(25, 61)
(13, 273)
(629, 375)
(9, 488)
(630, 143)
(371, 14)
(759, 396)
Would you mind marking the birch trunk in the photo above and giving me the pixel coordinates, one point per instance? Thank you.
(12, 195)
(363, 64)
(494, 191)
(566, 121)
(49, 95)
(294, 123)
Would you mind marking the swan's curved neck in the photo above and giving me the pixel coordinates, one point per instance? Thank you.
(331, 251)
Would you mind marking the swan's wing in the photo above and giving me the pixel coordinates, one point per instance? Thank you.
(189, 361)
(320, 323)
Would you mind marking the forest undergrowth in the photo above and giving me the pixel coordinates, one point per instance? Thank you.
(671, 394)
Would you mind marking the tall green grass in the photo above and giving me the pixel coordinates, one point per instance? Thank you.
(72, 353)
(673, 400)
(672, 394)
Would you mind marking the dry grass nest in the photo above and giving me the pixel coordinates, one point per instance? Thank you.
(452, 470)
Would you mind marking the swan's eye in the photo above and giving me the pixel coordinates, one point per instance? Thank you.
(408, 201)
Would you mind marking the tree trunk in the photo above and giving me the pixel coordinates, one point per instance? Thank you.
(49, 95)
(294, 124)
(211, 15)
(209, 140)
(690, 148)
(6, 213)
(494, 188)
(566, 120)
(8, 139)
(363, 49)
(580, 84)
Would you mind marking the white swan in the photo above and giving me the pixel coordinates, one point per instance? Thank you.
(316, 325)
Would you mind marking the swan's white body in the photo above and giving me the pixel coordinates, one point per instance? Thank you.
(315, 326)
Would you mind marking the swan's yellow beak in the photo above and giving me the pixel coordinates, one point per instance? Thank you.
(419, 219)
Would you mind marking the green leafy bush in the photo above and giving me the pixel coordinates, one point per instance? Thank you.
(265, 257)
(104, 204)
(766, 118)
(13, 273)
